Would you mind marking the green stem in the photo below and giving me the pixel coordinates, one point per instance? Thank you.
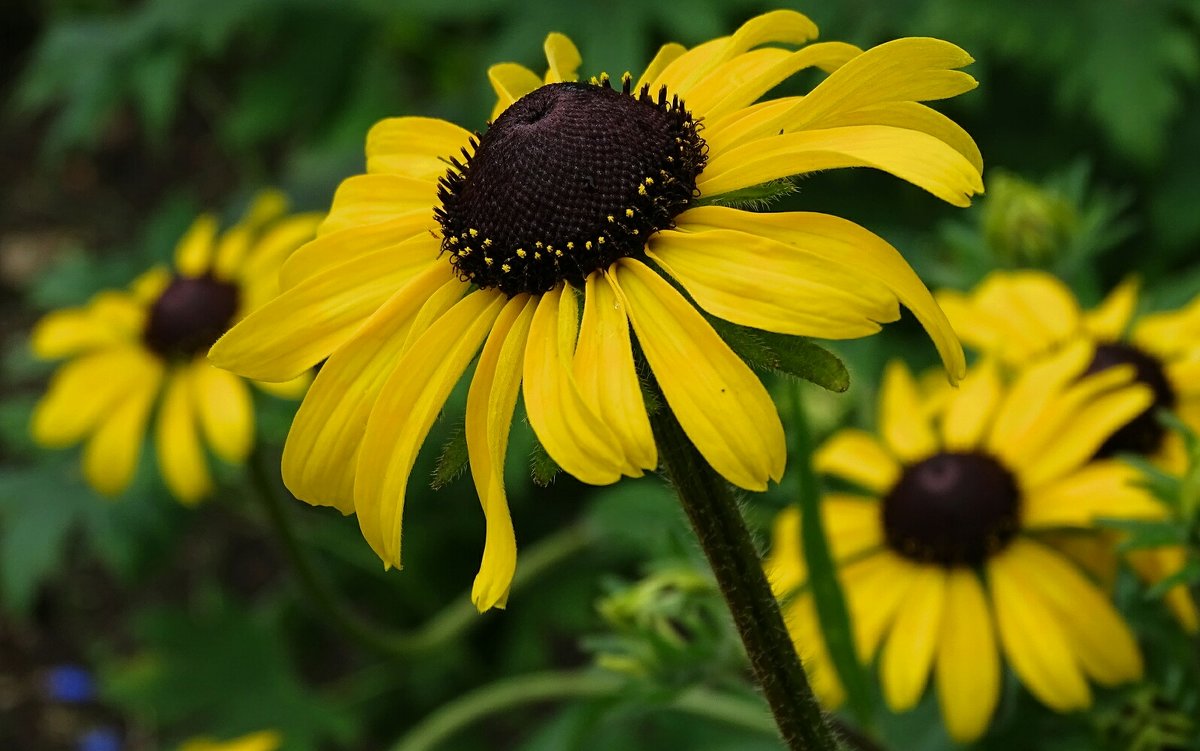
(722, 533)
(456, 618)
(509, 693)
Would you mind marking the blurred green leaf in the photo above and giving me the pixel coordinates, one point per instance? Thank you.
(791, 355)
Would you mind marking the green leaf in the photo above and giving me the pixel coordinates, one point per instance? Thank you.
(1142, 534)
(1189, 575)
(542, 468)
(1163, 485)
(791, 355)
(754, 198)
(453, 460)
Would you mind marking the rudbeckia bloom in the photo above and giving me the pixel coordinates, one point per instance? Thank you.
(1021, 316)
(940, 556)
(453, 241)
(133, 349)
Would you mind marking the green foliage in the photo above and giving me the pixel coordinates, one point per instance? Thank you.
(789, 355)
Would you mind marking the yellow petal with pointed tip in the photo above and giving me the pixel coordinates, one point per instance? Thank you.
(110, 456)
(1103, 489)
(225, 409)
(968, 664)
(913, 641)
(409, 234)
(665, 56)
(82, 392)
(194, 252)
(969, 410)
(902, 420)
(510, 81)
(177, 440)
(563, 58)
(1108, 321)
(859, 457)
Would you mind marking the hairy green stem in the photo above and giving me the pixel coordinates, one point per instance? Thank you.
(726, 542)
(509, 693)
(456, 618)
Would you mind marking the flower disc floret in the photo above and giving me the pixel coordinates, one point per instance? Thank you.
(570, 178)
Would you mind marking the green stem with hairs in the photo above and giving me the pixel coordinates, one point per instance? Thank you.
(726, 542)
(456, 618)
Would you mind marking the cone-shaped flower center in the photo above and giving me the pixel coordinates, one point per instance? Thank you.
(567, 180)
(952, 509)
(191, 314)
(1143, 434)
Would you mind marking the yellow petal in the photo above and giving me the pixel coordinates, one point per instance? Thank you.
(665, 56)
(1033, 390)
(913, 116)
(1034, 640)
(261, 270)
(490, 404)
(842, 241)
(908, 653)
(919, 158)
(150, 284)
(305, 324)
(563, 58)
(719, 402)
(511, 81)
(321, 452)
(1104, 489)
(232, 249)
(194, 252)
(1100, 639)
(414, 146)
(1108, 321)
(852, 523)
(968, 665)
(606, 376)
(111, 454)
(969, 410)
(573, 434)
(876, 588)
(82, 392)
(784, 565)
(177, 439)
(903, 422)
(293, 389)
(327, 252)
(225, 410)
(857, 456)
(766, 284)
(371, 199)
(406, 408)
(803, 625)
(72, 331)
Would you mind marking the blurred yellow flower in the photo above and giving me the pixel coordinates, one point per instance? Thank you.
(582, 187)
(942, 561)
(264, 740)
(126, 347)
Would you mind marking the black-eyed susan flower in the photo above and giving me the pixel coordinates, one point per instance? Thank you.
(133, 350)
(264, 740)
(455, 241)
(1021, 316)
(940, 555)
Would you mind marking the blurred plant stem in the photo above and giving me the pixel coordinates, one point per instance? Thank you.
(726, 542)
(446, 625)
(507, 693)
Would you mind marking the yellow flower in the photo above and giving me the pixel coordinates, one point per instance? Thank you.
(126, 347)
(580, 187)
(942, 561)
(264, 740)
(1021, 316)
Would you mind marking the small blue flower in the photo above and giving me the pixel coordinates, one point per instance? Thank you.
(70, 684)
(99, 739)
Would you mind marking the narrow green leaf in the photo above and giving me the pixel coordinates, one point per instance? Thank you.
(756, 197)
(1161, 484)
(1189, 575)
(453, 460)
(542, 468)
(791, 355)
(1142, 534)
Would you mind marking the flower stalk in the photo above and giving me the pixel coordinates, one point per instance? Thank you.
(726, 542)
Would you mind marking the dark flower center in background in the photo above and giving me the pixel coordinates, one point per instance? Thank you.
(567, 180)
(1143, 434)
(952, 509)
(191, 314)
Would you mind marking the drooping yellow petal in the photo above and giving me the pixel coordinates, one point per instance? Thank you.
(110, 456)
(857, 456)
(327, 252)
(876, 588)
(766, 284)
(1100, 639)
(969, 410)
(913, 641)
(177, 441)
(372, 199)
(82, 392)
(842, 241)
(903, 423)
(605, 373)
(1034, 640)
(414, 146)
(407, 405)
(321, 452)
(305, 324)
(562, 57)
(1109, 320)
(912, 116)
(721, 405)
(578, 439)
(1103, 489)
(968, 664)
(918, 158)
(510, 81)
(490, 404)
(665, 56)
(225, 409)
(194, 252)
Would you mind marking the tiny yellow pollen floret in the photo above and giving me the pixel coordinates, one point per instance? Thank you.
(570, 245)
(588, 245)
(488, 260)
(600, 239)
(474, 232)
(612, 218)
(505, 268)
(521, 253)
(642, 190)
(453, 241)
(538, 244)
(558, 253)
(629, 213)
(487, 243)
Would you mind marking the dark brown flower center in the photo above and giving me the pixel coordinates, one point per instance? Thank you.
(1143, 434)
(567, 180)
(190, 314)
(952, 509)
